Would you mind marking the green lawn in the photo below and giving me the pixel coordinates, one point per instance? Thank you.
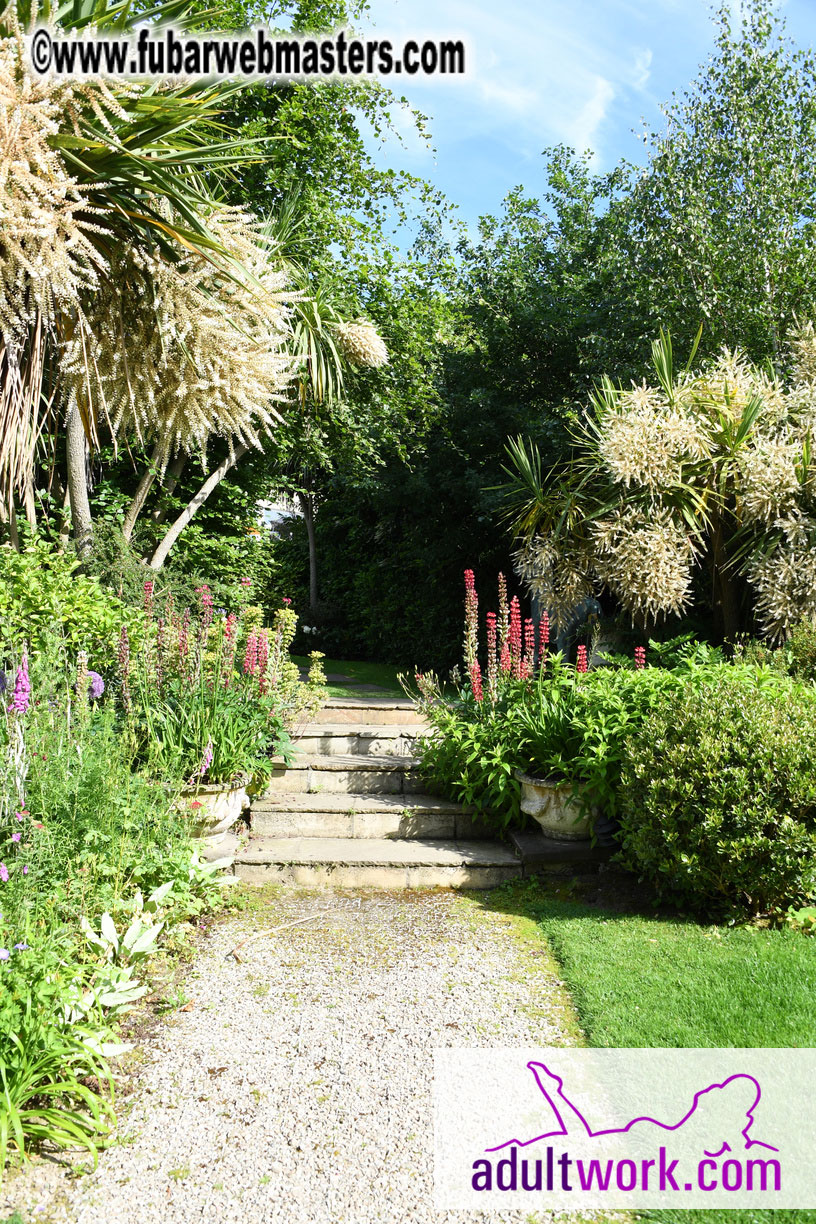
(382, 674)
(643, 980)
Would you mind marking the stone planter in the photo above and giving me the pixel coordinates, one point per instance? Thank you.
(552, 803)
(214, 808)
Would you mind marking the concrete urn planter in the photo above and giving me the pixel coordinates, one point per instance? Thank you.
(552, 803)
(214, 808)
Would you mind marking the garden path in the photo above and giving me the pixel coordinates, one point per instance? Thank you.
(296, 1085)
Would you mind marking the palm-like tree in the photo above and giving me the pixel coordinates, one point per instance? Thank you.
(139, 168)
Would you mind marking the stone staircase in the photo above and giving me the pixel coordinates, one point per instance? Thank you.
(351, 812)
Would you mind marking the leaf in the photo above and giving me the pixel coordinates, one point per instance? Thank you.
(109, 931)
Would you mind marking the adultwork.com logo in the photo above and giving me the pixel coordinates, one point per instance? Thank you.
(717, 1126)
(565, 1129)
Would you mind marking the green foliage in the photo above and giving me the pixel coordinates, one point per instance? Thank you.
(43, 597)
(473, 760)
(718, 795)
(48, 1064)
(796, 657)
(81, 836)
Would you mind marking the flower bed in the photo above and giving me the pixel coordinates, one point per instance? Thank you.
(96, 856)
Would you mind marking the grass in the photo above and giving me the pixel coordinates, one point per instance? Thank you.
(382, 674)
(645, 980)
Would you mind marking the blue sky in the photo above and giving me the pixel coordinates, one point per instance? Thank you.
(580, 72)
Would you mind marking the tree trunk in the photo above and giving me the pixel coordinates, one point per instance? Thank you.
(140, 496)
(77, 456)
(8, 518)
(724, 587)
(306, 501)
(174, 531)
(160, 511)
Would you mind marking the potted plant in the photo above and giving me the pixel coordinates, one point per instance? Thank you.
(551, 790)
(206, 726)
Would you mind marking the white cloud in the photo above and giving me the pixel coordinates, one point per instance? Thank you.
(642, 69)
(586, 123)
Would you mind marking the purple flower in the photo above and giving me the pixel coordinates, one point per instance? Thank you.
(25, 869)
(21, 698)
(21, 947)
(4, 873)
(4, 954)
(96, 685)
(15, 837)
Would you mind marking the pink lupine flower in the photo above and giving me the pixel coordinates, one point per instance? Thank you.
(581, 662)
(504, 613)
(640, 657)
(492, 659)
(184, 638)
(471, 618)
(206, 762)
(476, 680)
(529, 641)
(206, 604)
(149, 587)
(21, 697)
(251, 655)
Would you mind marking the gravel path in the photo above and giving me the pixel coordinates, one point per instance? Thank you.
(297, 1087)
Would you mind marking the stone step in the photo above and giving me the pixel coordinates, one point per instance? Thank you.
(347, 739)
(362, 816)
(368, 711)
(376, 863)
(347, 774)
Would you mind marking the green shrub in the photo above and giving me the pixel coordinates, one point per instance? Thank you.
(718, 794)
(473, 761)
(564, 725)
(43, 596)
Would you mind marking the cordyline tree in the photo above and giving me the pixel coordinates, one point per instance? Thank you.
(130, 299)
(706, 475)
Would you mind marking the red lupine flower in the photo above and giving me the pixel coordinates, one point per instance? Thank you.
(544, 634)
(505, 662)
(581, 662)
(640, 657)
(476, 680)
(515, 636)
(148, 599)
